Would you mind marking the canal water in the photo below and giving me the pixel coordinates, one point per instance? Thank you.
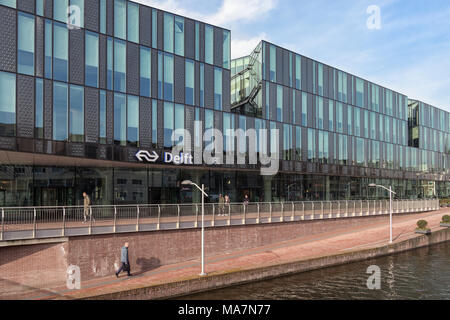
(418, 274)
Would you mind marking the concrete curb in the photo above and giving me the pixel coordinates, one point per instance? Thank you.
(235, 277)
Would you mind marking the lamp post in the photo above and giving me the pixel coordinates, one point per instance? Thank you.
(390, 206)
(202, 189)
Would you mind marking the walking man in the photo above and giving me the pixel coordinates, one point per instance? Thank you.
(125, 263)
(227, 204)
(87, 203)
(221, 205)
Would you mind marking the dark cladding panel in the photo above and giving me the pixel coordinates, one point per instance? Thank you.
(285, 68)
(48, 8)
(209, 86)
(160, 130)
(190, 39)
(132, 68)
(48, 109)
(226, 94)
(110, 18)
(109, 117)
(91, 14)
(145, 25)
(287, 107)
(7, 39)
(218, 47)
(298, 106)
(76, 56)
(25, 106)
(160, 30)
(145, 120)
(102, 61)
(202, 41)
(273, 101)
(179, 82)
(39, 42)
(91, 114)
(279, 66)
(26, 5)
(189, 123)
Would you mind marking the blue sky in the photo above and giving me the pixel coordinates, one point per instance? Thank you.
(410, 53)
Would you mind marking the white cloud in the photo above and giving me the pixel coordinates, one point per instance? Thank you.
(241, 11)
(243, 47)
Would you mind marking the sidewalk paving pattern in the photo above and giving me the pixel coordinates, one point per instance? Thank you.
(369, 235)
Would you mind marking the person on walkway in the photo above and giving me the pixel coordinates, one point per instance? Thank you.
(125, 263)
(246, 200)
(87, 203)
(221, 205)
(227, 204)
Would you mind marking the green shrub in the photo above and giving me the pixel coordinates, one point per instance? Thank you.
(446, 218)
(422, 224)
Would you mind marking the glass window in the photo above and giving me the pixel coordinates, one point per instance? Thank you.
(279, 103)
(76, 18)
(373, 126)
(133, 121)
(226, 49)
(168, 77)
(120, 119)
(311, 145)
(120, 18)
(298, 72)
(154, 122)
(294, 107)
(133, 22)
(360, 152)
(357, 121)
(290, 69)
(120, 66)
(154, 29)
(359, 92)
(8, 3)
(60, 111)
(76, 114)
(110, 64)
(168, 124)
(197, 40)
(25, 44)
(340, 117)
(48, 49)
(287, 142)
(160, 75)
(320, 78)
(217, 88)
(168, 32)
(202, 85)
(91, 46)
(190, 80)
(366, 124)
(319, 108)
(102, 16)
(242, 141)
(39, 116)
(273, 64)
(145, 71)
(61, 52)
(60, 10)
(7, 104)
(267, 100)
(179, 36)
(102, 131)
(349, 120)
(298, 143)
(179, 122)
(209, 44)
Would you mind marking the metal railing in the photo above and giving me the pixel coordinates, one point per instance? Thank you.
(46, 222)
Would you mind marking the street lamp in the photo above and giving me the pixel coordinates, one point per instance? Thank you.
(202, 189)
(390, 206)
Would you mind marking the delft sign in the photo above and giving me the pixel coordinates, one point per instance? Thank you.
(167, 157)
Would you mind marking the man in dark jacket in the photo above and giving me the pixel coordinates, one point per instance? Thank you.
(125, 263)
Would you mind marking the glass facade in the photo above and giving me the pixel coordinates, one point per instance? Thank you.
(131, 92)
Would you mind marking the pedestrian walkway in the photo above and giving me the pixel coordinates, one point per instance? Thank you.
(370, 235)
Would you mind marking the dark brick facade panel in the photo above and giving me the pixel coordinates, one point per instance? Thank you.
(26, 5)
(160, 130)
(25, 106)
(145, 26)
(110, 18)
(91, 15)
(190, 39)
(48, 8)
(226, 82)
(91, 114)
(109, 117)
(145, 121)
(218, 47)
(48, 110)
(76, 56)
(209, 86)
(160, 32)
(8, 40)
(179, 80)
(132, 68)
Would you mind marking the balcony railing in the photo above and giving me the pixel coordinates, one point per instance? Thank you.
(50, 222)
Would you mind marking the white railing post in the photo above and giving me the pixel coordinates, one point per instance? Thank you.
(303, 210)
(338, 215)
(321, 214)
(259, 213)
(178, 218)
(64, 222)
(362, 212)
(137, 218)
(313, 208)
(158, 227)
(270, 212)
(293, 212)
(115, 218)
(90, 221)
(214, 216)
(346, 209)
(282, 212)
(244, 219)
(34, 222)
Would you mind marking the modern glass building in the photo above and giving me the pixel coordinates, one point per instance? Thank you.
(85, 85)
